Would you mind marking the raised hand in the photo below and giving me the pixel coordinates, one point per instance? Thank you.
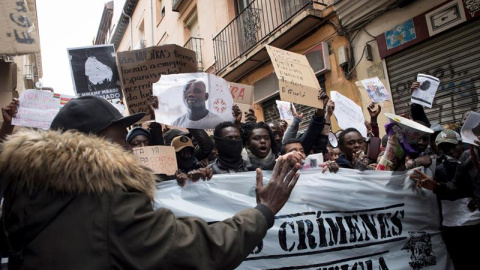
(236, 113)
(374, 112)
(152, 105)
(277, 191)
(250, 116)
(330, 107)
(10, 111)
(294, 112)
(414, 86)
(323, 97)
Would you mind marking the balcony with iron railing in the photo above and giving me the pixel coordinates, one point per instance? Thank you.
(259, 23)
(195, 44)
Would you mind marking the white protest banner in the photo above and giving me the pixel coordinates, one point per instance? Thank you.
(160, 159)
(296, 79)
(241, 93)
(284, 110)
(94, 71)
(36, 109)
(471, 128)
(375, 89)
(18, 33)
(425, 93)
(348, 113)
(348, 220)
(193, 100)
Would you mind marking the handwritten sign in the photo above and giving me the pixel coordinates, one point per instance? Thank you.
(348, 113)
(17, 31)
(297, 80)
(160, 159)
(38, 108)
(139, 69)
(241, 93)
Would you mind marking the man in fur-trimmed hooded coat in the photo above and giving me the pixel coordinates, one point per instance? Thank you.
(77, 201)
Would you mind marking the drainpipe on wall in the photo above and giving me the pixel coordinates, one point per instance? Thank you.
(131, 29)
(151, 18)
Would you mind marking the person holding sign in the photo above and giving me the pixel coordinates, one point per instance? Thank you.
(100, 202)
(197, 115)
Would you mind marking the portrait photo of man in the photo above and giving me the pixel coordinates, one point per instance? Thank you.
(193, 100)
(197, 116)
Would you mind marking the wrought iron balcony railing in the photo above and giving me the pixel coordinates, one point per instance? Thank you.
(256, 22)
(195, 44)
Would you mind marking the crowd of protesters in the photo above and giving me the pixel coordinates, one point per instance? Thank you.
(441, 163)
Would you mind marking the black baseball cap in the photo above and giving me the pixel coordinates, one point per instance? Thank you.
(90, 114)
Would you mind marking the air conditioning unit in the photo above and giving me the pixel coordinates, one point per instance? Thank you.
(319, 58)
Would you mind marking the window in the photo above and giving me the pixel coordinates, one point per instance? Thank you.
(159, 11)
(240, 5)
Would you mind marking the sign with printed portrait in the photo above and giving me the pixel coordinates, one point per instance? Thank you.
(94, 71)
(193, 100)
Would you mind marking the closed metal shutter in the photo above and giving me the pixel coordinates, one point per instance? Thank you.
(270, 110)
(453, 57)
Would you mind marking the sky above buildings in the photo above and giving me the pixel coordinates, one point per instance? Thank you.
(62, 25)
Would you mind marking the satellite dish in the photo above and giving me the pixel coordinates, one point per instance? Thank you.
(332, 139)
(39, 85)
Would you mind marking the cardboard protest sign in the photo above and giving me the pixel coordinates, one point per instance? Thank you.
(160, 159)
(139, 69)
(241, 93)
(94, 71)
(37, 108)
(297, 80)
(348, 113)
(193, 100)
(425, 93)
(375, 89)
(17, 31)
(471, 128)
